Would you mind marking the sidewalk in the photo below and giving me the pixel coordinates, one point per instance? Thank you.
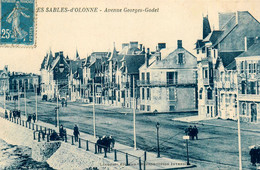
(152, 161)
(232, 124)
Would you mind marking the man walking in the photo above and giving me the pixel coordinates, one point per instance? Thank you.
(196, 131)
(34, 117)
(76, 133)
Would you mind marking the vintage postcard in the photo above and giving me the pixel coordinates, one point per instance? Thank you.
(129, 84)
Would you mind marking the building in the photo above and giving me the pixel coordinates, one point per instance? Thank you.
(4, 80)
(168, 81)
(55, 71)
(216, 53)
(248, 70)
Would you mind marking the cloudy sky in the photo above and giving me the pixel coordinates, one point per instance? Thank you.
(88, 32)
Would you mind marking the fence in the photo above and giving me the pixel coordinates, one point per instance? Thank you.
(41, 133)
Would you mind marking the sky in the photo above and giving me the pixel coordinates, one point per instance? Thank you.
(88, 32)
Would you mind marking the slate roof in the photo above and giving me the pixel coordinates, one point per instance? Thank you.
(228, 57)
(254, 50)
(213, 36)
(133, 63)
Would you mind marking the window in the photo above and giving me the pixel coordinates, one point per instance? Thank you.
(243, 108)
(207, 109)
(172, 77)
(143, 76)
(172, 107)
(180, 58)
(243, 86)
(208, 52)
(209, 94)
(148, 108)
(148, 93)
(200, 93)
(205, 73)
(143, 93)
(252, 87)
(242, 66)
(148, 77)
(171, 93)
(142, 107)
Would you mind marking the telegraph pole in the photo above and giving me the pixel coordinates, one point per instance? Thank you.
(25, 110)
(18, 95)
(94, 116)
(4, 95)
(36, 103)
(57, 105)
(134, 112)
(238, 131)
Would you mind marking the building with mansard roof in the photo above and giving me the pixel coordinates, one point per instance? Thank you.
(216, 53)
(168, 81)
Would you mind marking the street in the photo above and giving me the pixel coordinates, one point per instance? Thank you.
(217, 147)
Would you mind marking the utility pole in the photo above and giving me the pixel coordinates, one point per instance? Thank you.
(94, 114)
(25, 110)
(57, 104)
(158, 145)
(18, 95)
(238, 130)
(36, 111)
(134, 112)
(4, 95)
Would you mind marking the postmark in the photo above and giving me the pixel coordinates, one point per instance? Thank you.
(17, 23)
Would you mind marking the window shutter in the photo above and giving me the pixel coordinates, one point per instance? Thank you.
(245, 66)
(258, 66)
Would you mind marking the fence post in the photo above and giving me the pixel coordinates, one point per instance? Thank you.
(140, 164)
(29, 125)
(126, 159)
(39, 137)
(45, 130)
(72, 142)
(105, 154)
(36, 127)
(20, 121)
(32, 126)
(40, 127)
(48, 138)
(144, 165)
(49, 130)
(95, 148)
(79, 143)
(66, 137)
(115, 155)
(87, 145)
(26, 124)
(145, 156)
(34, 135)
(23, 122)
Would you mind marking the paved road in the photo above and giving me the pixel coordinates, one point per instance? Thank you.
(215, 149)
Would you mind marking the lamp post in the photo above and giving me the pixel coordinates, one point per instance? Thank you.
(4, 88)
(134, 113)
(158, 146)
(57, 110)
(25, 110)
(18, 95)
(94, 114)
(36, 107)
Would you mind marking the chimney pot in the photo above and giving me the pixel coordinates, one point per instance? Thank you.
(179, 43)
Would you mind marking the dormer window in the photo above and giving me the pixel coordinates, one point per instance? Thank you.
(180, 58)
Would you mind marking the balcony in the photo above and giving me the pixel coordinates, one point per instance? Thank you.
(143, 82)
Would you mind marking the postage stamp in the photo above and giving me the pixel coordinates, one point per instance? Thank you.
(17, 23)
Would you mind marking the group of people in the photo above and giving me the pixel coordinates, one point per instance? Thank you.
(192, 132)
(13, 113)
(63, 132)
(106, 142)
(255, 155)
(31, 117)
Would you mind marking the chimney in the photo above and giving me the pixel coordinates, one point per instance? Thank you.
(237, 17)
(124, 45)
(179, 43)
(141, 46)
(57, 54)
(158, 57)
(245, 43)
(161, 46)
(147, 58)
(134, 44)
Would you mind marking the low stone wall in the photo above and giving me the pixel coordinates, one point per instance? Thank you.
(58, 155)
(41, 151)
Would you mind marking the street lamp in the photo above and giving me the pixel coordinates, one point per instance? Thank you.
(36, 111)
(187, 146)
(94, 114)
(158, 146)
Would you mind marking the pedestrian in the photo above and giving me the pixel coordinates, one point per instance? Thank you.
(105, 143)
(76, 133)
(99, 145)
(196, 131)
(190, 132)
(112, 142)
(29, 118)
(34, 117)
(61, 131)
(65, 103)
(6, 114)
(253, 154)
(10, 114)
(62, 103)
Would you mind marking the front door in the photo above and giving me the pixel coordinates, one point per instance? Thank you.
(253, 113)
